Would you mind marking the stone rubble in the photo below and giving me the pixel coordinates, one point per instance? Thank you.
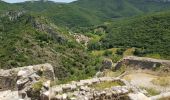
(82, 91)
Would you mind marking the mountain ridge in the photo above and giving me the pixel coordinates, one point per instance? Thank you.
(82, 12)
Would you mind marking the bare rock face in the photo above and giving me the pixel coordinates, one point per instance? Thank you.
(8, 78)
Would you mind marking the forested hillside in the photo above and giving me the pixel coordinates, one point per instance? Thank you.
(39, 32)
(27, 40)
(149, 34)
(88, 12)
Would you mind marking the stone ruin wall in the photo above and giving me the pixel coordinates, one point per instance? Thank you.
(81, 90)
(143, 63)
(8, 78)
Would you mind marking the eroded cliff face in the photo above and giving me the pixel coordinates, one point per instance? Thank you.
(144, 63)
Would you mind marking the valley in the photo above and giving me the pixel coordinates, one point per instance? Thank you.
(85, 50)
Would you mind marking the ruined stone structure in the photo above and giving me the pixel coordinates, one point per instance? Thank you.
(8, 78)
(82, 91)
(144, 63)
(25, 77)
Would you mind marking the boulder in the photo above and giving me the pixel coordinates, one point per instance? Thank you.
(106, 64)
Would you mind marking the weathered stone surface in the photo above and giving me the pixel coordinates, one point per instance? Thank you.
(83, 91)
(161, 96)
(138, 96)
(8, 78)
(57, 89)
(10, 95)
(144, 63)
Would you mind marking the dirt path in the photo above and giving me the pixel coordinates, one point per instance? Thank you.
(144, 80)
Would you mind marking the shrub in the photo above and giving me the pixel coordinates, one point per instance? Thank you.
(107, 53)
(120, 51)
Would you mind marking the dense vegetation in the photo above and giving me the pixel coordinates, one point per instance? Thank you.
(88, 12)
(148, 34)
(42, 33)
(27, 41)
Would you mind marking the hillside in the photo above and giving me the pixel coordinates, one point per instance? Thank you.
(122, 8)
(89, 12)
(62, 14)
(26, 39)
(148, 34)
(38, 32)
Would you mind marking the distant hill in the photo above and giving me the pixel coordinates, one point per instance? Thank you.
(150, 34)
(90, 12)
(122, 8)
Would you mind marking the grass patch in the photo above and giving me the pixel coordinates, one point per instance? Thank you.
(101, 52)
(37, 86)
(129, 52)
(156, 56)
(109, 73)
(162, 81)
(151, 91)
(104, 85)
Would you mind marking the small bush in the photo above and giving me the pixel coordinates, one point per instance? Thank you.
(107, 53)
(120, 51)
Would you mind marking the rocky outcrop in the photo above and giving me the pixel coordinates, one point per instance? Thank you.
(144, 63)
(50, 29)
(82, 39)
(13, 15)
(106, 64)
(8, 78)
